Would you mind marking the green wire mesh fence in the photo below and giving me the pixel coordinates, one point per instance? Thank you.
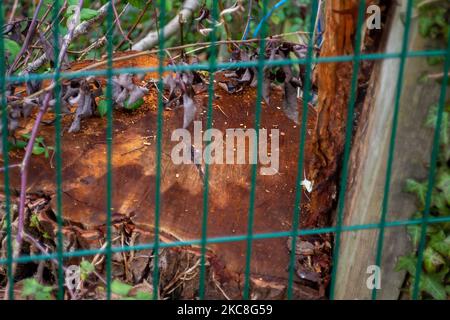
(212, 66)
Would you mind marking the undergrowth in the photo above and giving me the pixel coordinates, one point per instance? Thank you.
(435, 277)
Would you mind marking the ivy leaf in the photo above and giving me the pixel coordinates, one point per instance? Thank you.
(431, 121)
(419, 189)
(441, 243)
(432, 284)
(443, 183)
(119, 288)
(414, 232)
(12, 48)
(407, 263)
(432, 260)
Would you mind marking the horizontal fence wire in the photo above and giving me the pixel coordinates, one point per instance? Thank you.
(222, 65)
(227, 239)
(213, 65)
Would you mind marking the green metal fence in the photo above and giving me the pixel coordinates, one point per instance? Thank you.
(212, 66)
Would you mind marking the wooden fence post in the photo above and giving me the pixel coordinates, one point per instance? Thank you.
(368, 165)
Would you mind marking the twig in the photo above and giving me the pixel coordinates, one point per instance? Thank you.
(118, 21)
(49, 27)
(249, 19)
(28, 38)
(81, 29)
(436, 76)
(13, 11)
(149, 41)
(29, 148)
(11, 166)
(138, 20)
(45, 251)
(99, 42)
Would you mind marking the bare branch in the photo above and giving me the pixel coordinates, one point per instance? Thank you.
(81, 29)
(189, 6)
(29, 148)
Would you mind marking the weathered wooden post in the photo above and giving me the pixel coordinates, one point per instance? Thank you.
(368, 165)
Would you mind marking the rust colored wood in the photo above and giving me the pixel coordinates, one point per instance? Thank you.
(133, 189)
(334, 87)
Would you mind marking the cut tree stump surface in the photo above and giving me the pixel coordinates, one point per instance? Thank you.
(84, 171)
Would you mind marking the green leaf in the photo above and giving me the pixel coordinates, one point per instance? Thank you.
(34, 221)
(37, 150)
(432, 284)
(441, 243)
(26, 136)
(443, 184)
(134, 105)
(86, 268)
(19, 144)
(88, 14)
(102, 108)
(140, 4)
(12, 48)
(119, 288)
(32, 288)
(432, 260)
(407, 263)
(142, 295)
(39, 139)
(419, 189)
(414, 232)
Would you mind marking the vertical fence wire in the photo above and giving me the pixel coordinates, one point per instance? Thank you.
(432, 172)
(398, 94)
(251, 211)
(161, 55)
(300, 165)
(348, 141)
(58, 155)
(212, 69)
(5, 150)
(109, 146)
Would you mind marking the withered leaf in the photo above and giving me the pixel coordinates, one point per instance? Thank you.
(189, 110)
(290, 102)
